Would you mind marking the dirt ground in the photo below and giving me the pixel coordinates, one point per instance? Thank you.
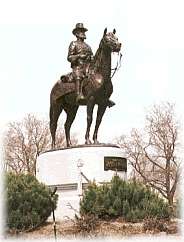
(69, 229)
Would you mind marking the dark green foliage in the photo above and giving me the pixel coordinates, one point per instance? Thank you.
(131, 200)
(28, 202)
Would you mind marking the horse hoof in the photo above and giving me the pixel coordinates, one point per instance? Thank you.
(53, 146)
(88, 142)
(96, 142)
(68, 144)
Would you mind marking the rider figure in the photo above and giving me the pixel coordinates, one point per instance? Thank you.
(80, 55)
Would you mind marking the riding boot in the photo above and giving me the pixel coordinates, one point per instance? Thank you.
(77, 86)
(110, 103)
(78, 90)
(81, 94)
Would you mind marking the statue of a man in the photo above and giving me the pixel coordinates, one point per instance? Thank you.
(79, 55)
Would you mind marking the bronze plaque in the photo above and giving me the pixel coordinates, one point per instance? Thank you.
(115, 163)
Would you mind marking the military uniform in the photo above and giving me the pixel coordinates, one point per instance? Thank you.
(80, 56)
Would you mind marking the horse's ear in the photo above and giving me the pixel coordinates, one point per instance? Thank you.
(114, 31)
(105, 31)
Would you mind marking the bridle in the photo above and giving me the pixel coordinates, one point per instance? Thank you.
(118, 65)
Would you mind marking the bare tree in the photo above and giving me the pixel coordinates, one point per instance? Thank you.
(153, 153)
(60, 138)
(25, 140)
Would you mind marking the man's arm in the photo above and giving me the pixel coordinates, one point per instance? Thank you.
(72, 57)
(87, 54)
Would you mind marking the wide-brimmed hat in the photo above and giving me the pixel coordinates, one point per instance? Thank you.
(79, 26)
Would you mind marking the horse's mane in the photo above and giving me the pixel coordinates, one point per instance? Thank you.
(97, 57)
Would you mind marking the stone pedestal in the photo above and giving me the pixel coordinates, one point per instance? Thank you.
(70, 170)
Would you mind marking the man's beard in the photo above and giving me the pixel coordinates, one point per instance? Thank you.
(81, 35)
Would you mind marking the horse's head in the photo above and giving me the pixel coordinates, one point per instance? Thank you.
(111, 41)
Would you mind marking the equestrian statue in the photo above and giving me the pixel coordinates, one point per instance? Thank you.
(88, 84)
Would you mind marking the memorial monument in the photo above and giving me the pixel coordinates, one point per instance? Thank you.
(70, 169)
(89, 83)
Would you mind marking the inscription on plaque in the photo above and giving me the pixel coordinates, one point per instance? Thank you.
(115, 163)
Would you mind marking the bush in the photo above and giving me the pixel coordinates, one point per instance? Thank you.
(28, 202)
(155, 224)
(131, 200)
(86, 224)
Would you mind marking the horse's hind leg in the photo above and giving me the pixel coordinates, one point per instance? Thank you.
(55, 110)
(71, 113)
(100, 113)
(90, 107)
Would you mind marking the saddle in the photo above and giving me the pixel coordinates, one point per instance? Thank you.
(66, 84)
(68, 78)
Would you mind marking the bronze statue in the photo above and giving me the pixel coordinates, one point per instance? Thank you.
(80, 55)
(97, 88)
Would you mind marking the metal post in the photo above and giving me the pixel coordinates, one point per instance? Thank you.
(53, 214)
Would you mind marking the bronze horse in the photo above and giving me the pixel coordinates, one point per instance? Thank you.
(97, 89)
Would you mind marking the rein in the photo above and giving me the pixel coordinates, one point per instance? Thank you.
(118, 65)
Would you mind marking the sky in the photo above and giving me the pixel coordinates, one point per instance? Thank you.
(34, 40)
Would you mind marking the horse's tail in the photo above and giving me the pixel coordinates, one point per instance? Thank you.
(50, 109)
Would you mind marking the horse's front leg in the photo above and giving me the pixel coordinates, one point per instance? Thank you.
(90, 107)
(100, 113)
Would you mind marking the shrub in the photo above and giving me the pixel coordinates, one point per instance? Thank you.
(132, 201)
(28, 202)
(86, 224)
(155, 224)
